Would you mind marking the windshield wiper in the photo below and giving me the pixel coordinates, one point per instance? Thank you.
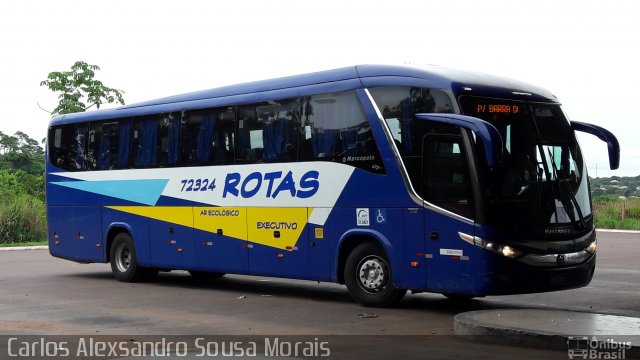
(570, 189)
(545, 167)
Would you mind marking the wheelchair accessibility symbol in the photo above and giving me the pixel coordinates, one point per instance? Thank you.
(381, 216)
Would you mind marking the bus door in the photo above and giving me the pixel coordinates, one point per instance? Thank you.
(278, 242)
(446, 186)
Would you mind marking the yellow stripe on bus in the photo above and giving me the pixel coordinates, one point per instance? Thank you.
(226, 221)
(275, 227)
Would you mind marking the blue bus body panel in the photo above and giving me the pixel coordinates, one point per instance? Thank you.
(172, 246)
(78, 233)
(453, 264)
(219, 253)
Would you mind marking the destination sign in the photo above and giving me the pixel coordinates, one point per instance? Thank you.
(497, 109)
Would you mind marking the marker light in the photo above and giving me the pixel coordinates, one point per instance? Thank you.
(591, 249)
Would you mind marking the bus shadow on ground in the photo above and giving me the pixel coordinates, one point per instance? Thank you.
(242, 285)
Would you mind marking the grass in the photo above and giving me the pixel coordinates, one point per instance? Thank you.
(30, 243)
(613, 213)
(22, 219)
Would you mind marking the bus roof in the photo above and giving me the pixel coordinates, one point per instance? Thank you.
(341, 79)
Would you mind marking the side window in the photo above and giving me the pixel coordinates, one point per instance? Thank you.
(102, 152)
(169, 139)
(68, 146)
(225, 134)
(268, 132)
(336, 129)
(249, 143)
(207, 137)
(156, 140)
(446, 178)
(280, 130)
(400, 104)
(143, 144)
(124, 144)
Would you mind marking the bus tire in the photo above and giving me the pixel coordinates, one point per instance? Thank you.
(205, 275)
(367, 274)
(124, 265)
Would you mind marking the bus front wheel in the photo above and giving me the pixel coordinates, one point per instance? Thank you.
(124, 262)
(367, 274)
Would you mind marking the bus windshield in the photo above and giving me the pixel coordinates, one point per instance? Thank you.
(542, 185)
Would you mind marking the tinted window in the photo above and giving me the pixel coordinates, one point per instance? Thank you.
(543, 173)
(336, 129)
(156, 140)
(249, 143)
(446, 179)
(68, 146)
(208, 137)
(103, 145)
(269, 132)
(328, 127)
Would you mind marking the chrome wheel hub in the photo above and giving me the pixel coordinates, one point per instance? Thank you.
(372, 273)
(123, 258)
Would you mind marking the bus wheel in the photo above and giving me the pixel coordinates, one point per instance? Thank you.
(124, 262)
(367, 275)
(205, 275)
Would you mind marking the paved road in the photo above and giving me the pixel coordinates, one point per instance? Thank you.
(40, 294)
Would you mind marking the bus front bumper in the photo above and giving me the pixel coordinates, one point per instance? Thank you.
(517, 277)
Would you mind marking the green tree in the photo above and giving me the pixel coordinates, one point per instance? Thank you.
(77, 86)
(20, 152)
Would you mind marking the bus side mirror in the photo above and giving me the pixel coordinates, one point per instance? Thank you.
(604, 135)
(485, 132)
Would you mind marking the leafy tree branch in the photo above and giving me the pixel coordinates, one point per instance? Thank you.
(79, 90)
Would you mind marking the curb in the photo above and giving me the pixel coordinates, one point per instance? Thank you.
(489, 326)
(619, 231)
(19, 248)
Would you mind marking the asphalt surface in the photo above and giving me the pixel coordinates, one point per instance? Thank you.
(42, 295)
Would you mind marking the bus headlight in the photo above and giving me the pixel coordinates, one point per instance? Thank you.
(591, 249)
(504, 250)
(509, 252)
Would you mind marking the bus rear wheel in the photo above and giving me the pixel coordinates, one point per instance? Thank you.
(367, 274)
(124, 265)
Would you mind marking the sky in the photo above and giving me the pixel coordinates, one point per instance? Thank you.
(585, 51)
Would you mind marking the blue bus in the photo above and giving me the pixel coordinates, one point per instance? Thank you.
(383, 178)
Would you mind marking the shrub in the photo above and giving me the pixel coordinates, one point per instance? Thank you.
(22, 219)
